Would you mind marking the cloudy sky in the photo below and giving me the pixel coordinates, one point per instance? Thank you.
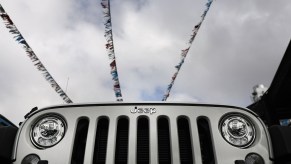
(239, 45)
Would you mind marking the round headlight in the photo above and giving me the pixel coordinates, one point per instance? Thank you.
(48, 131)
(237, 130)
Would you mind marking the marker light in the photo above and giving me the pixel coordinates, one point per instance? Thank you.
(254, 158)
(237, 130)
(48, 131)
(30, 159)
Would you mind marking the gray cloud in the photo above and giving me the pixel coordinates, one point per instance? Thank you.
(239, 45)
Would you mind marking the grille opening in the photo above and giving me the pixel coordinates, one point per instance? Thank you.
(80, 141)
(121, 149)
(205, 141)
(164, 145)
(185, 144)
(101, 141)
(142, 141)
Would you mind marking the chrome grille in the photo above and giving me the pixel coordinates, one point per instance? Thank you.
(147, 131)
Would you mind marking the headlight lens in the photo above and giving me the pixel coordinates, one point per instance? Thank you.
(48, 131)
(237, 130)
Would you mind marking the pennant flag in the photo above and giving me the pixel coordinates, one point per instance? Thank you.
(35, 60)
(185, 51)
(110, 48)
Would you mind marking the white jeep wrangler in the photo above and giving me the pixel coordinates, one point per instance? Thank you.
(142, 133)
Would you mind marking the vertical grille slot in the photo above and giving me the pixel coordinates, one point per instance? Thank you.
(205, 141)
(185, 144)
(80, 141)
(164, 145)
(142, 141)
(101, 141)
(121, 149)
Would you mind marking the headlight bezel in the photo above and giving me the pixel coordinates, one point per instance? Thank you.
(55, 138)
(242, 119)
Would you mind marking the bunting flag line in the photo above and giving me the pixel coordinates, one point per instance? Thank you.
(110, 48)
(30, 53)
(184, 52)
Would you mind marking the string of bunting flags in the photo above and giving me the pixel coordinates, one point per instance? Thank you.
(185, 51)
(30, 53)
(110, 48)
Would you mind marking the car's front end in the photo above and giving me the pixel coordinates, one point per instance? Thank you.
(143, 133)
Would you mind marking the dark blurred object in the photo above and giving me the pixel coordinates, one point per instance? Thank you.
(280, 136)
(275, 104)
(7, 137)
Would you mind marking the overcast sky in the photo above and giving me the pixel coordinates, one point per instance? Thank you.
(240, 44)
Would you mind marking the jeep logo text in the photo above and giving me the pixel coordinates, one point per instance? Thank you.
(143, 110)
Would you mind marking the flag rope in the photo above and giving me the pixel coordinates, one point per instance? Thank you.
(30, 53)
(110, 48)
(186, 50)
